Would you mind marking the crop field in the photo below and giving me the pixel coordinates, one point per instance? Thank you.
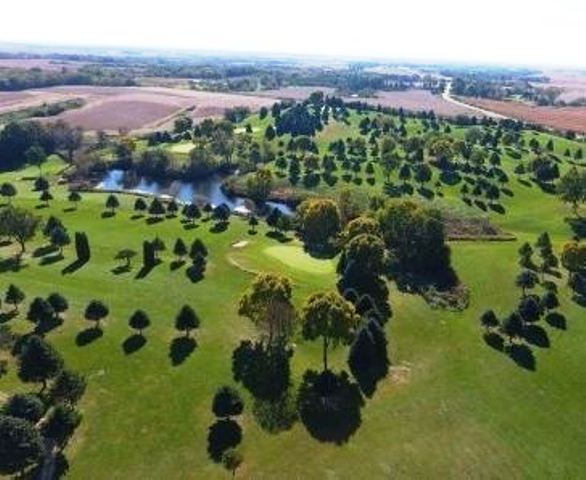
(131, 108)
(562, 118)
(43, 64)
(572, 84)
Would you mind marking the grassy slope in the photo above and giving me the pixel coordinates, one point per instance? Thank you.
(452, 407)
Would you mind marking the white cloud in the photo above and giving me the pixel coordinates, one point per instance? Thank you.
(499, 31)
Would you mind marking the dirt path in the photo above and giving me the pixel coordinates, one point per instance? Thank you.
(447, 96)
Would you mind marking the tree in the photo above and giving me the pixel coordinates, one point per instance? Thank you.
(74, 197)
(139, 320)
(36, 156)
(529, 309)
(96, 311)
(489, 320)
(319, 221)
(365, 254)
(68, 387)
(186, 320)
(526, 280)
(270, 133)
(51, 224)
(60, 238)
(549, 301)
(58, 302)
(24, 405)
(221, 213)
(231, 460)
(512, 326)
(21, 445)
(269, 306)
(112, 203)
(330, 316)
(14, 296)
(574, 258)
(253, 223)
(197, 249)
(180, 249)
(259, 184)
(572, 188)
(82, 247)
(422, 173)
(38, 361)
(127, 255)
(61, 424)
(7, 190)
(41, 184)
(140, 205)
(40, 311)
(191, 212)
(525, 252)
(172, 208)
(22, 225)
(46, 197)
(227, 402)
(158, 246)
(156, 208)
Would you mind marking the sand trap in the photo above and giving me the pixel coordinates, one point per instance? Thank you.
(240, 244)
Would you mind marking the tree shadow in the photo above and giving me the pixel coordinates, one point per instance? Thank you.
(223, 435)
(47, 325)
(195, 273)
(44, 250)
(275, 416)
(136, 216)
(69, 209)
(426, 193)
(494, 340)
(11, 264)
(329, 406)
(154, 220)
(523, 356)
(146, 269)
(7, 316)
(181, 348)
(133, 343)
(51, 259)
(87, 336)
(556, 320)
(120, 269)
(108, 214)
(190, 226)
(278, 236)
(578, 226)
(536, 335)
(5, 243)
(176, 265)
(219, 227)
(264, 370)
(498, 208)
(73, 266)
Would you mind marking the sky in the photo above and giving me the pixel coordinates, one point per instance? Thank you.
(501, 32)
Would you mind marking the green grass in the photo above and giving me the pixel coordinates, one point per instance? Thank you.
(295, 257)
(451, 406)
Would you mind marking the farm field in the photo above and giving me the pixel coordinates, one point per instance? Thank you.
(450, 407)
(42, 64)
(572, 84)
(562, 118)
(131, 108)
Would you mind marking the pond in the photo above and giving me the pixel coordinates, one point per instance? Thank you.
(206, 190)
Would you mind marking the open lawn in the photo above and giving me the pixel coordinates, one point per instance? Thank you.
(451, 406)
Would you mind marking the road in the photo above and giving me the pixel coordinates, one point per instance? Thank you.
(447, 96)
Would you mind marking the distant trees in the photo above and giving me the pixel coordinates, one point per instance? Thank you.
(259, 185)
(8, 191)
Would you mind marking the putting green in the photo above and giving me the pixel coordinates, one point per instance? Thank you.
(182, 147)
(295, 257)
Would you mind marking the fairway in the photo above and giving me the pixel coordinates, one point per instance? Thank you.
(295, 257)
(182, 148)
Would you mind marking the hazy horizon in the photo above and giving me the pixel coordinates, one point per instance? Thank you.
(502, 33)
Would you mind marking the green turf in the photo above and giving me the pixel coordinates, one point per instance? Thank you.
(451, 406)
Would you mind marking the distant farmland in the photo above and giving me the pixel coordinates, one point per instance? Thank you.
(43, 64)
(413, 100)
(562, 118)
(132, 108)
